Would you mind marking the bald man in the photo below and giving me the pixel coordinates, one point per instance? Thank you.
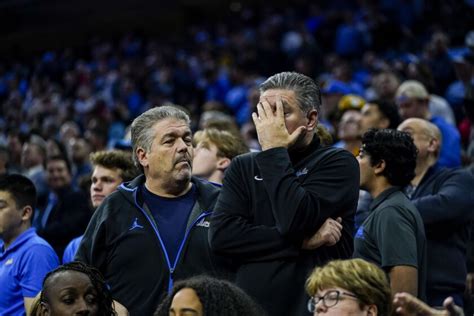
(413, 102)
(445, 201)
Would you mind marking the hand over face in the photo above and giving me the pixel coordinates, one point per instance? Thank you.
(278, 124)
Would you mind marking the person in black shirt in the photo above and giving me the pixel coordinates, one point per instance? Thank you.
(153, 230)
(273, 202)
(445, 201)
(67, 212)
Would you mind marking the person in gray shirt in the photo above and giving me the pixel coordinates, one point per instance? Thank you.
(392, 236)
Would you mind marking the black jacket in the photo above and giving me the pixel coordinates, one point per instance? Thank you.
(67, 220)
(122, 241)
(445, 200)
(269, 203)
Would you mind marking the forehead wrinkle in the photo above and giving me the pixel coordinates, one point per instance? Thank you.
(175, 132)
(67, 289)
(168, 123)
(284, 98)
(411, 128)
(283, 93)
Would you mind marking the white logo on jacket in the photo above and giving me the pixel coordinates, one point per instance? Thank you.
(203, 223)
(301, 172)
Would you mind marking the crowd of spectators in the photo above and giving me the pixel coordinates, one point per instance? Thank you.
(77, 101)
(366, 49)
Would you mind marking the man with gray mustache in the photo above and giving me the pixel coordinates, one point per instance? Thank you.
(154, 230)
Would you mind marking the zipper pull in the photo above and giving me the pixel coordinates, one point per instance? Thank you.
(170, 281)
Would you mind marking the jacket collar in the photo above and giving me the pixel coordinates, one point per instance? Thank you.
(299, 156)
(20, 240)
(206, 192)
(431, 170)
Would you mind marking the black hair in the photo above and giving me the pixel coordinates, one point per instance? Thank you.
(63, 158)
(398, 151)
(61, 148)
(20, 188)
(468, 106)
(390, 111)
(104, 297)
(218, 298)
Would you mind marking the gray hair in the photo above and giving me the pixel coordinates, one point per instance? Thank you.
(39, 142)
(213, 116)
(306, 90)
(142, 132)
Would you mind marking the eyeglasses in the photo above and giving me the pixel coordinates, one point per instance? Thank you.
(329, 299)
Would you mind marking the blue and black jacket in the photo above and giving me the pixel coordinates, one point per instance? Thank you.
(124, 243)
(445, 200)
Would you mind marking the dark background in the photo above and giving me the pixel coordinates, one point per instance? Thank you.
(31, 26)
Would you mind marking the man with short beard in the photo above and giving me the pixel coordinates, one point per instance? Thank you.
(153, 230)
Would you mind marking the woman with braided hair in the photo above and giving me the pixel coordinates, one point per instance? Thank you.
(75, 288)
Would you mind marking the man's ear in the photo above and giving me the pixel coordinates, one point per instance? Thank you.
(223, 163)
(312, 117)
(379, 167)
(142, 156)
(372, 310)
(26, 213)
(434, 145)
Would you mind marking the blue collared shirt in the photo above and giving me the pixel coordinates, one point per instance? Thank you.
(71, 249)
(23, 267)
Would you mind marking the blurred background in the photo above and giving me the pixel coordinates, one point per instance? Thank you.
(76, 73)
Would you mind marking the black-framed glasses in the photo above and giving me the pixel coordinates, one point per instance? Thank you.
(329, 299)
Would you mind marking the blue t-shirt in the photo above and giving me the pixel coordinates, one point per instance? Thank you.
(71, 249)
(23, 267)
(171, 216)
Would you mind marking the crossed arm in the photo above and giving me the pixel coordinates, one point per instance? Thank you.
(404, 279)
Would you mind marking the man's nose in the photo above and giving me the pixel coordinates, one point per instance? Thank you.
(182, 146)
(97, 186)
